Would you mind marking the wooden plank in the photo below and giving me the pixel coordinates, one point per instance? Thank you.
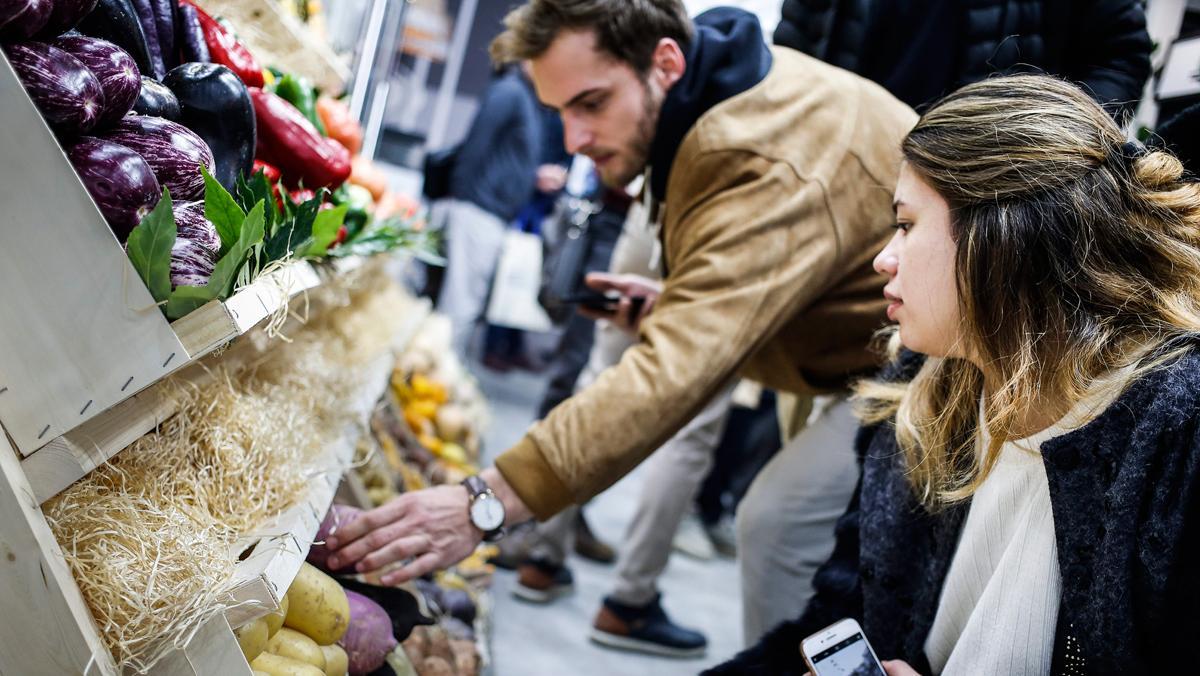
(266, 295)
(46, 627)
(80, 330)
(205, 329)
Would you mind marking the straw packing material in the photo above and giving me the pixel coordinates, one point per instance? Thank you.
(150, 536)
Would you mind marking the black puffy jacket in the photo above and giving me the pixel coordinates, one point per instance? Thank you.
(1100, 44)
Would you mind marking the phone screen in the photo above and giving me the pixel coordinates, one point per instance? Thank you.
(850, 657)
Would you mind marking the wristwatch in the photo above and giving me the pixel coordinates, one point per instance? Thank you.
(486, 510)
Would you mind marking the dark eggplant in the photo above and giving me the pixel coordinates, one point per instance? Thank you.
(191, 224)
(164, 25)
(216, 105)
(145, 15)
(22, 19)
(66, 14)
(115, 21)
(113, 66)
(118, 179)
(68, 95)
(156, 100)
(190, 38)
(172, 150)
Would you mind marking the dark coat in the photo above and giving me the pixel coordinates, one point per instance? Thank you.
(1125, 492)
(904, 45)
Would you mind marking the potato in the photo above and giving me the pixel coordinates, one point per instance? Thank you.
(466, 660)
(435, 666)
(416, 646)
(252, 638)
(439, 645)
(275, 619)
(274, 665)
(291, 643)
(317, 606)
(337, 663)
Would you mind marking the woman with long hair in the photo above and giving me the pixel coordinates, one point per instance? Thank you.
(1029, 499)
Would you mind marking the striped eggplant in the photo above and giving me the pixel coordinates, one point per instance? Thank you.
(119, 181)
(113, 66)
(22, 19)
(68, 95)
(191, 263)
(172, 150)
(191, 224)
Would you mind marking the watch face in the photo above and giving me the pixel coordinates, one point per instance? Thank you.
(487, 513)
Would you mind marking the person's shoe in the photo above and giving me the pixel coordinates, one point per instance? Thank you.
(723, 535)
(589, 546)
(541, 581)
(691, 539)
(645, 629)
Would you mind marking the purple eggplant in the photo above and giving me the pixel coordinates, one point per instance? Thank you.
(190, 38)
(164, 24)
(66, 14)
(191, 224)
(172, 150)
(118, 179)
(63, 89)
(156, 100)
(22, 19)
(192, 263)
(115, 21)
(113, 66)
(145, 16)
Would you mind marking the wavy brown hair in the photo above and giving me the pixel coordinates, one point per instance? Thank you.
(1077, 254)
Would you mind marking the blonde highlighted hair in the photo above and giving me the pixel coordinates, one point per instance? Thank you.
(1076, 254)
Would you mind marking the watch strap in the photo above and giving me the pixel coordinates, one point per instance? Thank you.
(477, 487)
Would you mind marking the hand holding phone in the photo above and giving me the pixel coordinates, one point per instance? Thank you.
(634, 295)
(841, 649)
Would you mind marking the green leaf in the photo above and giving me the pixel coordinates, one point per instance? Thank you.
(149, 247)
(225, 274)
(324, 231)
(222, 210)
(294, 230)
(185, 299)
(258, 189)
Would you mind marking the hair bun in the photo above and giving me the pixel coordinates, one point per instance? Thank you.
(1157, 170)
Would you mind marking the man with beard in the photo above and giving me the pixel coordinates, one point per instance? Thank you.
(770, 174)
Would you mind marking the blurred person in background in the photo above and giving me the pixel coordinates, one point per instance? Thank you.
(920, 50)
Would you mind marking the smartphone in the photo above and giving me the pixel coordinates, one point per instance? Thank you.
(841, 650)
(594, 300)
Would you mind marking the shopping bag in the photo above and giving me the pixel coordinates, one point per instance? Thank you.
(438, 167)
(514, 300)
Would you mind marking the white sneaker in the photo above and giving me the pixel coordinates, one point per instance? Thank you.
(691, 539)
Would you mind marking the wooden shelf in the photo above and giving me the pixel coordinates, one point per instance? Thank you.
(70, 456)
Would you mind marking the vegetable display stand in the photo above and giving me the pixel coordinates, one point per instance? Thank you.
(48, 627)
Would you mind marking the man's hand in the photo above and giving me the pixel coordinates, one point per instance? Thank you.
(629, 286)
(551, 178)
(430, 528)
(893, 668)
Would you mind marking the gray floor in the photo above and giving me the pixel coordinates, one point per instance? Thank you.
(530, 640)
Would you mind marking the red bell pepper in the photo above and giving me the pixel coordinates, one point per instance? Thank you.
(224, 48)
(289, 141)
(271, 173)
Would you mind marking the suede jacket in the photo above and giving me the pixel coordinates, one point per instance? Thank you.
(1125, 494)
(777, 195)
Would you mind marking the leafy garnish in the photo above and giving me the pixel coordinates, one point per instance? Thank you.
(149, 246)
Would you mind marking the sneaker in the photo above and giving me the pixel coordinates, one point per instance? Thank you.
(692, 539)
(589, 546)
(723, 535)
(540, 581)
(645, 629)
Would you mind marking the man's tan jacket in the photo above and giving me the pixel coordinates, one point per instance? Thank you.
(778, 200)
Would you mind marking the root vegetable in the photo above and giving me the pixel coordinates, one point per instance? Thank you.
(291, 643)
(337, 517)
(274, 665)
(336, 661)
(317, 606)
(369, 639)
(252, 638)
(435, 666)
(275, 620)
